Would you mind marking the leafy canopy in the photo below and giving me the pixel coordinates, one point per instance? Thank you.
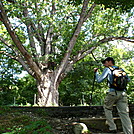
(124, 5)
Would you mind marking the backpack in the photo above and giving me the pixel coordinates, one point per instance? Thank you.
(120, 79)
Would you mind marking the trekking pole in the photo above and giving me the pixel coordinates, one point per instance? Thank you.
(93, 78)
(92, 89)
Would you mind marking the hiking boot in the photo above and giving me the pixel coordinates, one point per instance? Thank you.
(112, 131)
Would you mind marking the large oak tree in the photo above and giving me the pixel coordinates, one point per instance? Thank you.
(48, 37)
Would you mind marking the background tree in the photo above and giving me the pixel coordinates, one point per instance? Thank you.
(48, 38)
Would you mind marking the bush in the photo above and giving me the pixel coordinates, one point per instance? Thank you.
(37, 127)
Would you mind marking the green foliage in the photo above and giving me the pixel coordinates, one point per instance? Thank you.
(124, 5)
(41, 112)
(15, 122)
(8, 79)
(27, 88)
(38, 127)
(102, 23)
(77, 88)
(4, 109)
(21, 93)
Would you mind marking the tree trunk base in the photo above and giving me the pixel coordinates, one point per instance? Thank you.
(48, 97)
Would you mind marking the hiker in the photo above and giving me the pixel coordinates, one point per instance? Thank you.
(114, 96)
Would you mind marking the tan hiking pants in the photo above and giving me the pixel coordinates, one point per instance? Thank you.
(119, 98)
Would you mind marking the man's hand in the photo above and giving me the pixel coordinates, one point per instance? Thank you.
(96, 69)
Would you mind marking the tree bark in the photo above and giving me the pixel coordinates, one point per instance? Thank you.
(48, 90)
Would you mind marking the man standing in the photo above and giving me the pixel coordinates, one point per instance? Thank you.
(119, 98)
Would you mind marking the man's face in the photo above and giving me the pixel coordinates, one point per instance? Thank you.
(106, 64)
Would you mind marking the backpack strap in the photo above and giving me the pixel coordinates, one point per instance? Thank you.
(111, 68)
(110, 84)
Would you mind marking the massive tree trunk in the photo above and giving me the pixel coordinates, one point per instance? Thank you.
(48, 90)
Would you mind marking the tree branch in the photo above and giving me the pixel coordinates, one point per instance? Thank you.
(89, 12)
(30, 32)
(9, 45)
(128, 39)
(20, 60)
(72, 42)
(84, 53)
(49, 33)
(17, 57)
(24, 65)
(33, 31)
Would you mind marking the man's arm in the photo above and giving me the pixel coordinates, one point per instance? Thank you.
(101, 77)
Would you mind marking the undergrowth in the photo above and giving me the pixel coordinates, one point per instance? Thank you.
(19, 122)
